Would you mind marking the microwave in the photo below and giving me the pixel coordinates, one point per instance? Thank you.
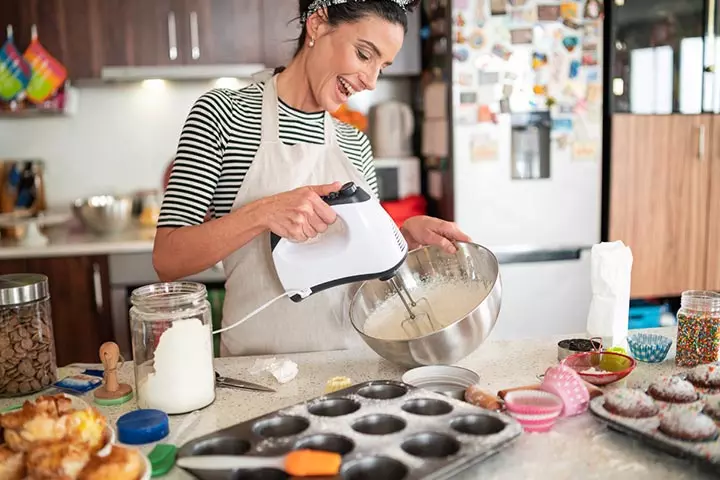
(397, 178)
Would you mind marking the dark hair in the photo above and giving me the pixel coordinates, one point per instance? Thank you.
(353, 11)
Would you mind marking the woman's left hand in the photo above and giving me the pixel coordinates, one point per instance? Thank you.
(423, 230)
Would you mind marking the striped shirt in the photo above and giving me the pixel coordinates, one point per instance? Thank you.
(218, 144)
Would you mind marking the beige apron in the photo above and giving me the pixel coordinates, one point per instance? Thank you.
(318, 322)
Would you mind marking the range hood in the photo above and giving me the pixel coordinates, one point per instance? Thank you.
(180, 72)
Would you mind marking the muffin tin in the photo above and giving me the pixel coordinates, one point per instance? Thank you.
(383, 429)
(706, 453)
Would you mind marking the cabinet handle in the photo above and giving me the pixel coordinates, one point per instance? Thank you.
(194, 36)
(97, 288)
(172, 37)
(701, 142)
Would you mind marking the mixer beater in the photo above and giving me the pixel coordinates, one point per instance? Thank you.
(420, 318)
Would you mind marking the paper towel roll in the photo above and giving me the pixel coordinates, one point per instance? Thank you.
(611, 272)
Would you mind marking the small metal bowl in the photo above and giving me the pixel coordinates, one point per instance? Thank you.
(105, 214)
(447, 380)
(571, 346)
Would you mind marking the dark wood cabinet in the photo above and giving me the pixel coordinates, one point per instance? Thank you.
(221, 31)
(70, 31)
(79, 300)
(280, 31)
(140, 33)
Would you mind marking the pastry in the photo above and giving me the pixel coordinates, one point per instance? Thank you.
(632, 403)
(119, 464)
(673, 390)
(58, 460)
(705, 376)
(689, 426)
(51, 419)
(712, 407)
(12, 464)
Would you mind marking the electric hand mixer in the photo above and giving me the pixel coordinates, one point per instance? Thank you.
(363, 244)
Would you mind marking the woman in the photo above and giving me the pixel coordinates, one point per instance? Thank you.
(260, 158)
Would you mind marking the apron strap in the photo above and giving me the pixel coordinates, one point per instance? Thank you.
(329, 129)
(269, 127)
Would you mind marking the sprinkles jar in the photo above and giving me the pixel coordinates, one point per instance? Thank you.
(698, 333)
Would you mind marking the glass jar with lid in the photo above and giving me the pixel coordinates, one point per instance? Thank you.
(698, 331)
(27, 345)
(171, 329)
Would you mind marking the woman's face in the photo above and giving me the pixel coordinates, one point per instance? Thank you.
(347, 59)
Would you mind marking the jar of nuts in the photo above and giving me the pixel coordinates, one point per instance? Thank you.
(27, 346)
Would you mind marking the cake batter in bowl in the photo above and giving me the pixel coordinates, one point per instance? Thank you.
(463, 289)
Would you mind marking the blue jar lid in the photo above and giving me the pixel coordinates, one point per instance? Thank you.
(142, 426)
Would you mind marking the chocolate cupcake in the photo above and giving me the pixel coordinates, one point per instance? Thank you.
(712, 407)
(673, 390)
(689, 426)
(629, 402)
(705, 376)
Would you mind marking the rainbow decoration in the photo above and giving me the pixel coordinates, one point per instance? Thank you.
(15, 72)
(48, 74)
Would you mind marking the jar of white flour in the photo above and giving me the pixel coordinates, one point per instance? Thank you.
(171, 329)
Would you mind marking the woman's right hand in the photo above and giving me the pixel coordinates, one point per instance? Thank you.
(299, 214)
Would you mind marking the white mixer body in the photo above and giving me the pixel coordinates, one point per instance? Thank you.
(363, 244)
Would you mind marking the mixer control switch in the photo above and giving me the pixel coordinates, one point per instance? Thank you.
(348, 190)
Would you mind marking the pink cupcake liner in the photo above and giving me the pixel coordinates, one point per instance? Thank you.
(564, 382)
(535, 410)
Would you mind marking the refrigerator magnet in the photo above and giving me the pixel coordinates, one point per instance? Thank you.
(460, 20)
(574, 69)
(498, 7)
(488, 78)
(484, 145)
(501, 51)
(593, 95)
(464, 79)
(570, 42)
(480, 12)
(593, 9)
(521, 36)
(539, 60)
(589, 57)
(460, 37)
(539, 89)
(467, 98)
(562, 124)
(460, 53)
(485, 115)
(592, 74)
(478, 39)
(524, 15)
(571, 24)
(569, 10)
(584, 150)
(548, 13)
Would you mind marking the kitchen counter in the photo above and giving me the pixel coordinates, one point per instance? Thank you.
(68, 243)
(578, 447)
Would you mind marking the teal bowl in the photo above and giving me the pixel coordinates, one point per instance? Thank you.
(649, 347)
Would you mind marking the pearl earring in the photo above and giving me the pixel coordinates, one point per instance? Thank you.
(312, 42)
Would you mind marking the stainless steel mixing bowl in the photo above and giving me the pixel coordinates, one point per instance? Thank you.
(471, 263)
(105, 214)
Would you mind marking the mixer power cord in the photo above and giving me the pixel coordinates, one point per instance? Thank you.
(260, 309)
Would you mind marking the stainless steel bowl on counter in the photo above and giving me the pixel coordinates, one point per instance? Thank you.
(105, 214)
(472, 263)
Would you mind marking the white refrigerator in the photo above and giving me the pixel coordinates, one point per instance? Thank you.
(526, 143)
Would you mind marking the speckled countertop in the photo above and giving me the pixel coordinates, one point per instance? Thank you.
(578, 447)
